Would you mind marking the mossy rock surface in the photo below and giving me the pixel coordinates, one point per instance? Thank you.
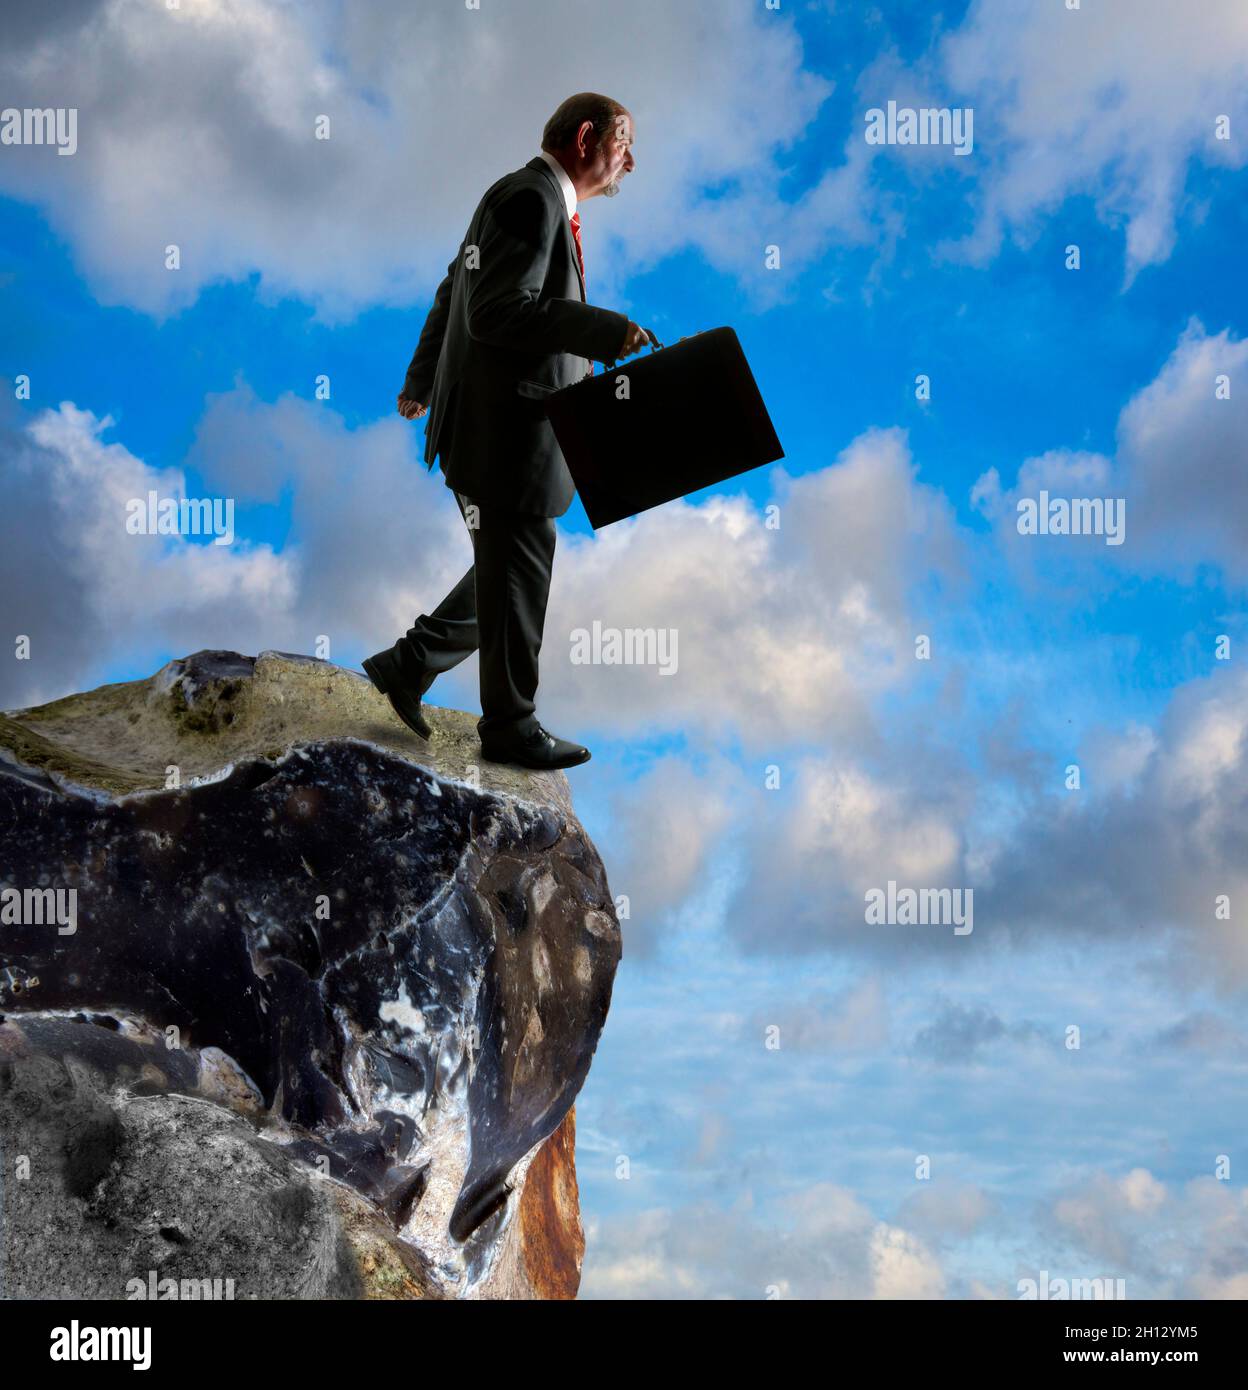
(202, 713)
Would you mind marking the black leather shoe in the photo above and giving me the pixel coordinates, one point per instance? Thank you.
(539, 750)
(383, 671)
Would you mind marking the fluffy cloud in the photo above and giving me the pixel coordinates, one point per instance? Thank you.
(379, 540)
(1111, 101)
(80, 583)
(196, 127)
(665, 826)
(1178, 467)
(1148, 854)
(1186, 1242)
(1182, 452)
(845, 829)
(944, 1212)
(197, 124)
(902, 1267)
(784, 635)
(357, 570)
(822, 1244)
(1151, 857)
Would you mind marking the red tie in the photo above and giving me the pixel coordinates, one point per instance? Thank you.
(576, 237)
(580, 257)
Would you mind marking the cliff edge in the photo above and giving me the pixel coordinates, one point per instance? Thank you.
(288, 997)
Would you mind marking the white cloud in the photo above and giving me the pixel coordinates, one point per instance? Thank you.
(1149, 856)
(1189, 1242)
(820, 1243)
(1182, 453)
(373, 540)
(1178, 468)
(666, 823)
(1144, 853)
(842, 831)
(783, 635)
(81, 583)
(1141, 1191)
(943, 1211)
(196, 127)
(380, 540)
(902, 1266)
(1117, 757)
(1112, 101)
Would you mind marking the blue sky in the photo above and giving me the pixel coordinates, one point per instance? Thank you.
(750, 1169)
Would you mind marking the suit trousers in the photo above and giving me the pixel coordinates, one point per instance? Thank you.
(499, 608)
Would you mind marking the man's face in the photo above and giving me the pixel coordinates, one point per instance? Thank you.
(613, 157)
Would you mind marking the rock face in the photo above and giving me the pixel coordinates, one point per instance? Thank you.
(290, 997)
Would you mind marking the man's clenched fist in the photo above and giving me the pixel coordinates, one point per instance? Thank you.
(634, 339)
(410, 409)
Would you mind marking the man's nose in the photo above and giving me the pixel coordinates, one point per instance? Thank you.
(629, 162)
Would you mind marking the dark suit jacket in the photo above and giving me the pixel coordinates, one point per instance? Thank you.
(509, 324)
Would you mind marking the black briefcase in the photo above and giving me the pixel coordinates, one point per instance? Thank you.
(689, 416)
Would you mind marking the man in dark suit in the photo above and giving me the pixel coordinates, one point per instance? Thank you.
(509, 324)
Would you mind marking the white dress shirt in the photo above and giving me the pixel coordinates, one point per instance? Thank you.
(569, 188)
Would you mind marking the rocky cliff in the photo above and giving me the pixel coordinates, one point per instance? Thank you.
(288, 996)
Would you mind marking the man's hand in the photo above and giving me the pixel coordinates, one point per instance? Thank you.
(410, 409)
(634, 340)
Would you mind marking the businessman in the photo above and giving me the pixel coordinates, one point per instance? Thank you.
(510, 324)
